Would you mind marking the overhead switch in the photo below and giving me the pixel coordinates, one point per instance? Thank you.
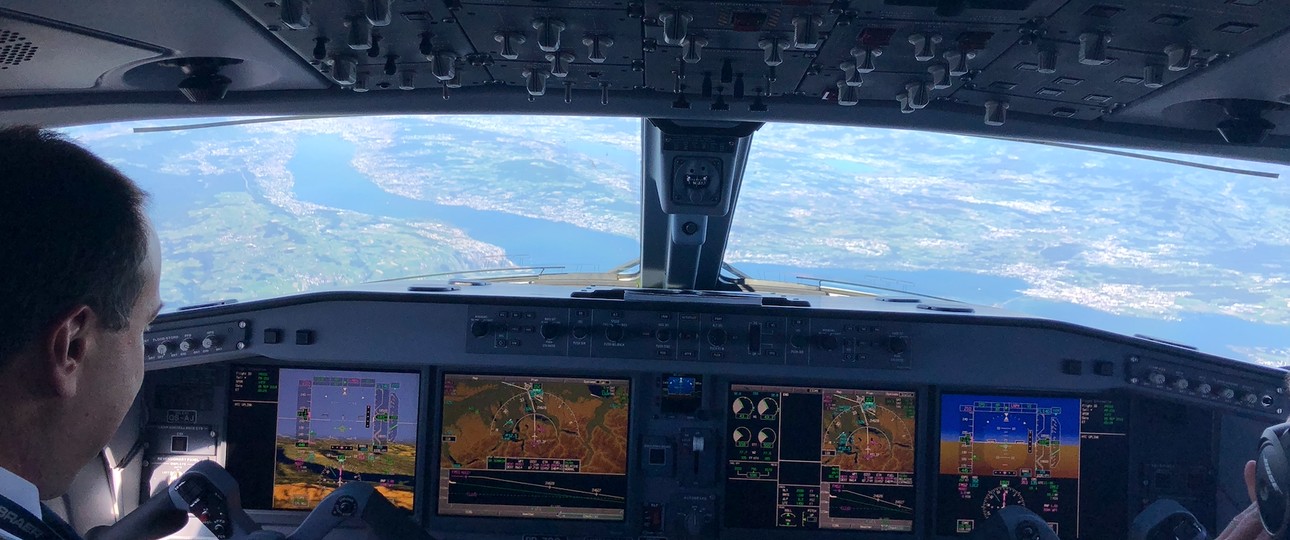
(676, 25)
(377, 12)
(693, 49)
(940, 73)
(509, 40)
(1046, 60)
(996, 112)
(359, 37)
(344, 70)
(560, 63)
(806, 32)
(442, 64)
(847, 95)
(958, 61)
(864, 58)
(535, 81)
(295, 14)
(903, 98)
(408, 80)
(925, 46)
(548, 33)
(1092, 48)
(774, 49)
(1179, 56)
(852, 76)
(596, 46)
(920, 94)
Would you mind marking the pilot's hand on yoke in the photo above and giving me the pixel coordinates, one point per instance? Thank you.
(1246, 525)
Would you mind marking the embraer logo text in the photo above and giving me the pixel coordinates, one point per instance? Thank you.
(18, 521)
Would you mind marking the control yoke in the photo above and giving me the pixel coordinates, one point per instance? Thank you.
(211, 495)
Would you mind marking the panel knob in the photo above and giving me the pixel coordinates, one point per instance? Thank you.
(163, 348)
(548, 33)
(897, 344)
(210, 342)
(1251, 399)
(1204, 389)
(579, 332)
(190, 344)
(827, 342)
(479, 328)
(717, 337)
(551, 330)
(1181, 384)
(1156, 378)
(1227, 393)
(798, 341)
(614, 332)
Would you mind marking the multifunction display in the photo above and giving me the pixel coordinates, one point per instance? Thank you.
(298, 434)
(999, 451)
(535, 447)
(820, 458)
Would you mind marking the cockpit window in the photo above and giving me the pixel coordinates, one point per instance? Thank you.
(257, 210)
(1196, 256)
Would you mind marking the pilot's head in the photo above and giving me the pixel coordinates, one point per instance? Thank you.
(79, 271)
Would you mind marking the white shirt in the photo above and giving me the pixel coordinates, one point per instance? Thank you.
(21, 492)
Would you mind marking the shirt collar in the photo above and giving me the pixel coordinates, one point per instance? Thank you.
(20, 491)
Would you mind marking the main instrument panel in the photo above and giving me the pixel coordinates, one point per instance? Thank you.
(544, 412)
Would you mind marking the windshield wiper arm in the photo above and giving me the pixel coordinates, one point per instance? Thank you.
(819, 283)
(503, 273)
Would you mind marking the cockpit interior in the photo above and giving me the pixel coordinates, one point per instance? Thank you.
(675, 397)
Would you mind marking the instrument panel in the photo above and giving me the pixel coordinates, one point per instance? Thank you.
(581, 418)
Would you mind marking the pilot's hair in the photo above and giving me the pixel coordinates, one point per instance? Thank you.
(72, 232)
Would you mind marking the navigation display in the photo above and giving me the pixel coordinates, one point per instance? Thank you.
(313, 430)
(820, 458)
(999, 451)
(534, 447)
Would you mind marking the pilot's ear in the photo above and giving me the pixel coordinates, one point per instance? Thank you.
(68, 342)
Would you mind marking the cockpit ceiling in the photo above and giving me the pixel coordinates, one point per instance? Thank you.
(1146, 74)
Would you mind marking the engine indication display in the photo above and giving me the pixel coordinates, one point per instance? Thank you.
(999, 451)
(820, 458)
(536, 447)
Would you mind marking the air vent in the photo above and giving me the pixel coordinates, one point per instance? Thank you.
(15, 49)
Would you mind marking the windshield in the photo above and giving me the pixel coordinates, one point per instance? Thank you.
(266, 209)
(1195, 256)
(1124, 244)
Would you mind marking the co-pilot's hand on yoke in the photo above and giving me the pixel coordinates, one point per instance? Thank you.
(1246, 525)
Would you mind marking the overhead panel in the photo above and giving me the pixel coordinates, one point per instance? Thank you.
(38, 55)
